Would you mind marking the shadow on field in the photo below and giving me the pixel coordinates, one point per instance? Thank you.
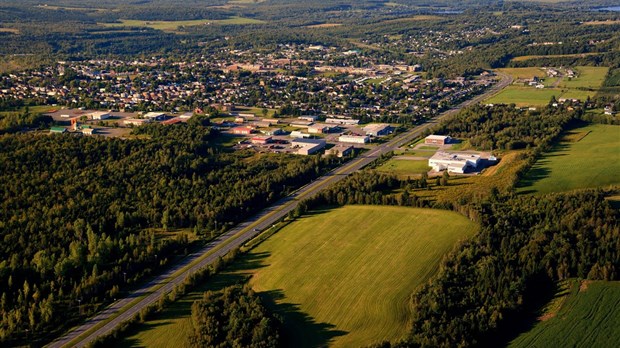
(300, 329)
(237, 273)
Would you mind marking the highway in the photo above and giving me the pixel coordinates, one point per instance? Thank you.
(240, 234)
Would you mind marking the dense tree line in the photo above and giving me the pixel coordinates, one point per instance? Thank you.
(525, 244)
(77, 213)
(505, 127)
(233, 317)
(17, 121)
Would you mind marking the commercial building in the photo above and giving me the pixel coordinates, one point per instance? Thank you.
(343, 121)
(100, 115)
(437, 139)
(355, 139)
(261, 140)
(155, 116)
(340, 150)
(308, 146)
(136, 121)
(242, 130)
(319, 128)
(298, 134)
(455, 162)
(272, 131)
(378, 129)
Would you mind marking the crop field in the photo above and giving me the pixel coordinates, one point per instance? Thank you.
(403, 166)
(340, 277)
(592, 161)
(174, 25)
(586, 315)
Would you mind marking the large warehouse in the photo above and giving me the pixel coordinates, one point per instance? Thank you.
(455, 162)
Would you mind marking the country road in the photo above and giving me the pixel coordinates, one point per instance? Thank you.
(150, 292)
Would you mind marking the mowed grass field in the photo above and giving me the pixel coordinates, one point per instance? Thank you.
(586, 157)
(586, 84)
(340, 277)
(350, 271)
(589, 316)
(524, 96)
(403, 166)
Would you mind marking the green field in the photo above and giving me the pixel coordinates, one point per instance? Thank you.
(405, 167)
(586, 315)
(352, 269)
(175, 25)
(588, 77)
(341, 277)
(588, 82)
(524, 96)
(592, 161)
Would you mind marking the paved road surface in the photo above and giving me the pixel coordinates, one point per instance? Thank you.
(244, 232)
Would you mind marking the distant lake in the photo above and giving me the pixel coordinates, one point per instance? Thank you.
(613, 8)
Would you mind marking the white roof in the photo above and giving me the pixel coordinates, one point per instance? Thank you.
(437, 137)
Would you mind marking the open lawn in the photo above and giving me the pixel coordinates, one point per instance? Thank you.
(403, 167)
(592, 161)
(174, 25)
(524, 96)
(585, 315)
(340, 277)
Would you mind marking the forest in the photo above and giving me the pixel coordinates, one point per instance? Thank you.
(233, 317)
(83, 217)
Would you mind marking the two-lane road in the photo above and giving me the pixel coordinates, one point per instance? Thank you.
(150, 292)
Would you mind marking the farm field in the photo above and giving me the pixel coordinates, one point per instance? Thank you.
(354, 276)
(589, 77)
(174, 25)
(588, 82)
(586, 157)
(586, 315)
(335, 280)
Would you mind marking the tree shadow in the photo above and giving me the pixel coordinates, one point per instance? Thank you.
(236, 273)
(541, 291)
(300, 329)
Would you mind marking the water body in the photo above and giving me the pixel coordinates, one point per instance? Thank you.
(612, 8)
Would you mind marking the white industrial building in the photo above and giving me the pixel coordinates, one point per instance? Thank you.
(155, 116)
(100, 115)
(308, 146)
(455, 162)
(343, 121)
(355, 139)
